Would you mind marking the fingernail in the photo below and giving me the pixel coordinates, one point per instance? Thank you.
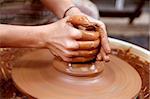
(99, 58)
(109, 51)
(106, 59)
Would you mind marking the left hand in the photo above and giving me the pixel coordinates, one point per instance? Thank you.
(105, 48)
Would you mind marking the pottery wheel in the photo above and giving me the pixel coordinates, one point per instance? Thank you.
(34, 75)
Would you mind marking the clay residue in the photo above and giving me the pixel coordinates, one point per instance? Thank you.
(142, 68)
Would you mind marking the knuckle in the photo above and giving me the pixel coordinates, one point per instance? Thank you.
(68, 54)
(76, 34)
(67, 59)
(68, 45)
(71, 45)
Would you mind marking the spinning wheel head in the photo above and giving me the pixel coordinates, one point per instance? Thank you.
(37, 77)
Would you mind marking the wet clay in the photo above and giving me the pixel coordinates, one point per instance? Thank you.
(37, 77)
(82, 68)
(79, 69)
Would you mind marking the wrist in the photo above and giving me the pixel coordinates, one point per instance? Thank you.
(38, 35)
(35, 36)
(45, 34)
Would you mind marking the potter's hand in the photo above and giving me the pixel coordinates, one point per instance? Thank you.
(104, 49)
(66, 8)
(69, 43)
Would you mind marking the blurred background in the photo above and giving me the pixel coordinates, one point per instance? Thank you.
(128, 20)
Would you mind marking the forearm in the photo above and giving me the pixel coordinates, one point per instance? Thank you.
(60, 6)
(20, 36)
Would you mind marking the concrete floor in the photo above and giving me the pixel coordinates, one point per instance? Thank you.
(137, 33)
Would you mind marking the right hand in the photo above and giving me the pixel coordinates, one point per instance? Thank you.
(69, 43)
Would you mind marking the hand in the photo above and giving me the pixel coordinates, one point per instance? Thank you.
(104, 49)
(69, 43)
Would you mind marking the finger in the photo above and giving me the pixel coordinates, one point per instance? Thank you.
(89, 35)
(104, 39)
(78, 59)
(82, 53)
(105, 45)
(71, 45)
(104, 56)
(59, 54)
(84, 35)
(87, 45)
(68, 43)
(99, 57)
(75, 33)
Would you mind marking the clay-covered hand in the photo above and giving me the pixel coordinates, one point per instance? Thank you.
(69, 43)
(104, 49)
(104, 44)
